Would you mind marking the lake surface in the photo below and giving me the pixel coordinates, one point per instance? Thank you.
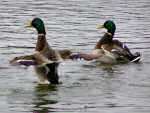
(85, 87)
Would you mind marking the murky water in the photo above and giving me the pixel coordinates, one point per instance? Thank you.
(85, 87)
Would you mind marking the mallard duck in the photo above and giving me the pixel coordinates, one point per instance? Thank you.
(116, 47)
(45, 59)
(42, 45)
(108, 50)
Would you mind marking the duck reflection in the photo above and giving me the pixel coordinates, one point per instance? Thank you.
(43, 98)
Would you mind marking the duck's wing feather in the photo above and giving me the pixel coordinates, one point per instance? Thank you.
(35, 59)
(23, 59)
(26, 62)
(65, 53)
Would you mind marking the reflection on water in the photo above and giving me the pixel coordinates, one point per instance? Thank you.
(42, 100)
(86, 87)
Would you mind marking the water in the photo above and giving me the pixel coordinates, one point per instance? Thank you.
(85, 87)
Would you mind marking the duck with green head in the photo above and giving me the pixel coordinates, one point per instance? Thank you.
(45, 59)
(108, 50)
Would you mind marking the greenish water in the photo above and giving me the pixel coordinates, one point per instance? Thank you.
(85, 87)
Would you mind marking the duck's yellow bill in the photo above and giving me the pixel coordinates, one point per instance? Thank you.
(99, 26)
(28, 24)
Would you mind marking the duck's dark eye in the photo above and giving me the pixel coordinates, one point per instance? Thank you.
(34, 23)
(15, 58)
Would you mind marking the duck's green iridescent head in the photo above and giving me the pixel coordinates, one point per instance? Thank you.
(109, 25)
(38, 24)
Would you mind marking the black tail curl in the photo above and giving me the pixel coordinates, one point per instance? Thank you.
(52, 74)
